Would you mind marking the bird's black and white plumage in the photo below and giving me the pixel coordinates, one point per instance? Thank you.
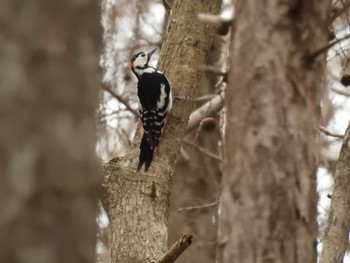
(155, 101)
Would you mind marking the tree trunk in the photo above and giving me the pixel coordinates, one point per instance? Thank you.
(197, 179)
(48, 67)
(268, 203)
(336, 239)
(137, 203)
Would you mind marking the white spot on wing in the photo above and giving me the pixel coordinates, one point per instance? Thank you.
(161, 101)
(170, 105)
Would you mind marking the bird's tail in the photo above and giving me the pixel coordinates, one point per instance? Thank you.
(146, 153)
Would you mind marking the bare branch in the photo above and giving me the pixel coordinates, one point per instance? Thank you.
(209, 108)
(204, 151)
(312, 56)
(214, 19)
(223, 24)
(121, 100)
(330, 133)
(205, 97)
(197, 207)
(176, 250)
(215, 70)
(338, 12)
(184, 154)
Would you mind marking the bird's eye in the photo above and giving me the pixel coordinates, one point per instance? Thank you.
(143, 55)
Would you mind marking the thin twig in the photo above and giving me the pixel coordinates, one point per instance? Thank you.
(213, 69)
(214, 19)
(197, 207)
(313, 55)
(176, 250)
(222, 24)
(330, 133)
(203, 150)
(337, 13)
(204, 97)
(103, 115)
(197, 135)
(121, 100)
(184, 154)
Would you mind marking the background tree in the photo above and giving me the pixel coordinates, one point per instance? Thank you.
(337, 232)
(48, 67)
(197, 178)
(268, 201)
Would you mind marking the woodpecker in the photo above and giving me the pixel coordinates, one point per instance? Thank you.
(155, 101)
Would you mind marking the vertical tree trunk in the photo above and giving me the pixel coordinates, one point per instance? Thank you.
(336, 238)
(268, 203)
(48, 66)
(197, 180)
(137, 203)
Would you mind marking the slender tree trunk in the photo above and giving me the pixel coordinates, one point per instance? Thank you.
(268, 203)
(137, 203)
(48, 66)
(336, 238)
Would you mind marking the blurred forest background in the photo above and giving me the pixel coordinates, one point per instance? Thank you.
(49, 69)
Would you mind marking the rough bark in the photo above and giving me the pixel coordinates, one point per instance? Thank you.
(48, 67)
(136, 202)
(336, 238)
(268, 203)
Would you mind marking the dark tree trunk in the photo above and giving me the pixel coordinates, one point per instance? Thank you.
(48, 69)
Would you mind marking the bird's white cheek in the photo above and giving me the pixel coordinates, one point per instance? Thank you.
(141, 61)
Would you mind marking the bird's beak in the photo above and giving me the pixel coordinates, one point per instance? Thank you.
(151, 52)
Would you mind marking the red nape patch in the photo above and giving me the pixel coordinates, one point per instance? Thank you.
(131, 64)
